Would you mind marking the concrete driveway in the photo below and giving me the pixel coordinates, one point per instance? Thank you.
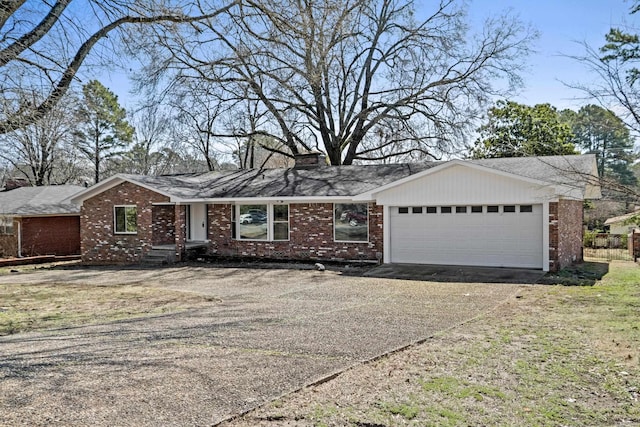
(272, 332)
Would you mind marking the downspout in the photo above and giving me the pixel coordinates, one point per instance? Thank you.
(19, 239)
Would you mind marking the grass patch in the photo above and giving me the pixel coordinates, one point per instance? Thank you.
(30, 307)
(406, 410)
(557, 355)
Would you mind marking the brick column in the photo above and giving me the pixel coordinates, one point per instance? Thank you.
(180, 231)
(553, 237)
(634, 244)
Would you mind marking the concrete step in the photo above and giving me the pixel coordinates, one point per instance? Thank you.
(160, 256)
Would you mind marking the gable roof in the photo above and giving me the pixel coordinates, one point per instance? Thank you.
(341, 181)
(571, 175)
(34, 201)
(621, 218)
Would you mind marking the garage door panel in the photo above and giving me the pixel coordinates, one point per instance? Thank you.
(489, 239)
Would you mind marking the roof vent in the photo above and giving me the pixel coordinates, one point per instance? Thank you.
(309, 160)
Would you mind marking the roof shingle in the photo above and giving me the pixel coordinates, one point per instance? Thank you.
(46, 200)
(347, 181)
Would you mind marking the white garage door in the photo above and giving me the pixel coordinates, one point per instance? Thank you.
(496, 235)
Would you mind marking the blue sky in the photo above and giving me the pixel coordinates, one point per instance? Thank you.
(561, 24)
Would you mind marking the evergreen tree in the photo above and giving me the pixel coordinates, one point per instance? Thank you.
(104, 131)
(599, 131)
(516, 130)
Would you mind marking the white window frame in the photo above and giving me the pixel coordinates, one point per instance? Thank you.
(368, 224)
(270, 222)
(273, 220)
(115, 219)
(6, 223)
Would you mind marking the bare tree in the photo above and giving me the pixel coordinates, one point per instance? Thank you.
(326, 74)
(44, 44)
(43, 151)
(150, 151)
(197, 116)
(612, 87)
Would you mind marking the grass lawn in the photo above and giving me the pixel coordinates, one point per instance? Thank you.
(32, 307)
(552, 356)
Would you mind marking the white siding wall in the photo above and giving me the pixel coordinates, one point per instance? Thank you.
(464, 186)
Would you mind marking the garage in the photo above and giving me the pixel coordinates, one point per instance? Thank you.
(476, 235)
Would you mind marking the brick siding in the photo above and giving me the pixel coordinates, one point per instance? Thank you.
(59, 235)
(181, 231)
(310, 237)
(99, 243)
(164, 224)
(565, 233)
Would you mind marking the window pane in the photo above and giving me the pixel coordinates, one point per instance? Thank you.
(476, 209)
(526, 208)
(281, 212)
(403, 210)
(509, 208)
(280, 231)
(253, 222)
(132, 219)
(120, 219)
(281, 222)
(416, 209)
(351, 222)
(6, 225)
(233, 222)
(492, 209)
(445, 209)
(461, 209)
(432, 209)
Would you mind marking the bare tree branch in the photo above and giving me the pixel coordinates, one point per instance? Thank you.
(327, 74)
(27, 114)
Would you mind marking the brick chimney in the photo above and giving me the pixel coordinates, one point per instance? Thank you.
(12, 184)
(310, 160)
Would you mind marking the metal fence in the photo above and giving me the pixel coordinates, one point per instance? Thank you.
(607, 246)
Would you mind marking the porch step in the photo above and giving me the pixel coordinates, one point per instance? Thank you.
(160, 256)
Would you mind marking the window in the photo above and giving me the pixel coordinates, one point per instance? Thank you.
(351, 222)
(403, 210)
(260, 222)
(492, 209)
(281, 222)
(234, 230)
(432, 209)
(509, 209)
(6, 225)
(526, 208)
(461, 209)
(416, 209)
(445, 209)
(125, 219)
(476, 209)
(252, 222)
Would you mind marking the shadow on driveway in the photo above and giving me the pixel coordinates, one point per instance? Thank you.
(456, 273)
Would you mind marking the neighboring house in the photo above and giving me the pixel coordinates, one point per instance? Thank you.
(512, 212)
(619, 225)
(39, 221)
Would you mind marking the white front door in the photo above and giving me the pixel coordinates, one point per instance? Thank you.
(197, 222)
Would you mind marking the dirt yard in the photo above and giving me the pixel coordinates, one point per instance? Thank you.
(197, 345)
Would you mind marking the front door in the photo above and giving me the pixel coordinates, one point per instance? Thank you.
(197, 222)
